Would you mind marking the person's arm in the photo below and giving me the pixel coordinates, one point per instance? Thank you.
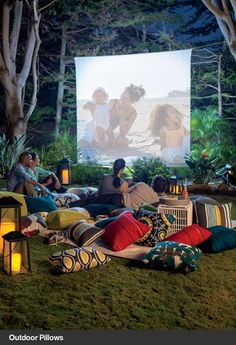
(124, 187)
(36, 183)
(28, 178)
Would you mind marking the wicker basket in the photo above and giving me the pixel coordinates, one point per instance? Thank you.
(183, 214)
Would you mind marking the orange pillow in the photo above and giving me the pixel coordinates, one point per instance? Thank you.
(192, 235)
(123, 231)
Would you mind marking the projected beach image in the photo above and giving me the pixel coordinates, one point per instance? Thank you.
(134, 106)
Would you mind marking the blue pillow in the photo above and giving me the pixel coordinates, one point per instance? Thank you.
(40, 204)
(102, 223)
(96, 209)
(223, 238)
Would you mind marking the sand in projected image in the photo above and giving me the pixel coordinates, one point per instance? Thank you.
(125, 120)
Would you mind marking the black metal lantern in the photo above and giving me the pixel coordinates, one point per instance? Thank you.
(16, 255)
(64, 171)
(176, 185)
(10, 214)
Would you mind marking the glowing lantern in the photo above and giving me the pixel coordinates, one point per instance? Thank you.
(64, 171)
(10, 214)
(16, 256)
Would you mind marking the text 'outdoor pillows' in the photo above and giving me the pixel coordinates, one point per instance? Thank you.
(193, 235)
(123, 231)
(158, 225)
(173, 256)
(73, 260)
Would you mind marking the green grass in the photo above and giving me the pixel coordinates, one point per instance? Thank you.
(122, 294)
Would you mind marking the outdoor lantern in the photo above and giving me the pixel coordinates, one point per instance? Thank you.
(64, 171)
(173, 183)
(10, 214)
(16, 256)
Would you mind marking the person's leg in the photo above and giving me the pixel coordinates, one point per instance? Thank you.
(26, 188)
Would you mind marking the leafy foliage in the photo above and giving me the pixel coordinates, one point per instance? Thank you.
(88, 174)
(9, 153)
(144, 169)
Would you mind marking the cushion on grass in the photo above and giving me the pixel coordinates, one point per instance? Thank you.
(32, 225)
(73, 260)
(102, 223)
(20, 198)
(123, 231)
(204, 200)
(223, 238)
(82, 234)
(158, 225)
(96, 209)
(118, 211)
(40, 203)
(210, 215)
(64, 199)
(61, 219)
(173, 256)
(193, 235)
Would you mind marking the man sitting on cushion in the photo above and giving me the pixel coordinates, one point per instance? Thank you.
(19, 181)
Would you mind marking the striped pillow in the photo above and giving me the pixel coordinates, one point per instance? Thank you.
(83, 234)
(212, 215)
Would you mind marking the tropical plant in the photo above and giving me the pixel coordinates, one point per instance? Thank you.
(9, 153)
(144, 169)
(202, 168)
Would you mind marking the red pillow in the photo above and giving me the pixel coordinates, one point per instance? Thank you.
(123, 231)
(193, 235)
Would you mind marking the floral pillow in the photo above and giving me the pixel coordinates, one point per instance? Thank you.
(173, 256)
(64, 199)
(32, 225)
(73, 260)
(158, 225)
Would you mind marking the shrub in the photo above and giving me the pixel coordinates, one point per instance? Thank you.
(88, 174)
(144, 169)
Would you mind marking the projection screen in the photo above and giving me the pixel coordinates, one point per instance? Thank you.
(134, 106)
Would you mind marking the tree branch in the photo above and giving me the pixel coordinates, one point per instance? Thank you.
(15, 32)
(5, 38)
(46, 6)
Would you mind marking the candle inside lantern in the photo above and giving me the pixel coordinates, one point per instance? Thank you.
(65, 176)
(5, 227)
(16, 263)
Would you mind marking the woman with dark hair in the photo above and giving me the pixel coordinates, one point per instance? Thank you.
(133, 197)
(159, 184)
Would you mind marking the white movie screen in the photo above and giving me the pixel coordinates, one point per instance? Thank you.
(134, 106)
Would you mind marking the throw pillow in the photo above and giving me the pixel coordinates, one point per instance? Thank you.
(40, 203)
(204, 200)
(102, 223)
(61, 219)
(64, 199)
(118, 211)
(223, 238)
(82, 233)
(210, 215)
(32, 225)
(173, 256)
(158, 225)
(193, 235)
(96, 209)
(76, 259)
(123, 231)
(148, 207)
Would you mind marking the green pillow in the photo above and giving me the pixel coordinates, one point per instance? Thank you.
(61, 219)
(73, 260)
(148, 207)
(173, 256)
(96, 209)
(40, 204)
(223, 238)
(102, 223)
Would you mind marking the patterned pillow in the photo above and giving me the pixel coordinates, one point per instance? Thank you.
(73, 260)
(61, 219)
(32, 225)
(223, 238)
(64, 199)
(193, 235)
(173, 256)
(158, 225)
(210, 215)
(123, 231)
(82, 233)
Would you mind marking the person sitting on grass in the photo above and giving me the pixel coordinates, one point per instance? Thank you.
(46, 177)
(19, 181)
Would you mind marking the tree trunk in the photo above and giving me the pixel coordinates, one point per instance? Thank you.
(220, 108)
(61, 88)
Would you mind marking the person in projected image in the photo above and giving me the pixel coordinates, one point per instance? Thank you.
(123, 114)
(99, 108)
(166, 123)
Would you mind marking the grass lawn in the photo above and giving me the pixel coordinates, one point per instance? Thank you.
(122, 294)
